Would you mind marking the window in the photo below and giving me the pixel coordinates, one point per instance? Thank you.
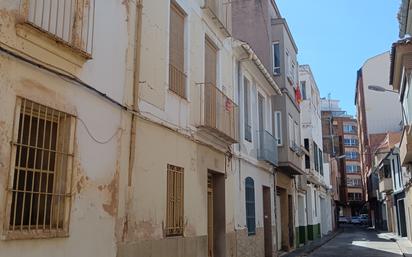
(291, 128)
(354, 182)
(278, 127)
(350, 142)
(177, 76)
(276, 58)
(355, 196)
(351, 168)
(321, 162)
(347, 128)
(296, 133)
(40, 193)
(248, 127)
(250, 206)
(352, 155)
(174, 212)
(307, 157)
(316, 156)
(303, 90)
(60, 20)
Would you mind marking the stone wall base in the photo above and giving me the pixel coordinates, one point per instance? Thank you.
(170, 247)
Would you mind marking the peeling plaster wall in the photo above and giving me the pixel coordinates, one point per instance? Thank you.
(96, 211)
(167, 134)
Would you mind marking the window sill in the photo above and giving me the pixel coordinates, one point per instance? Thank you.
(177, 95)
(25, 234)
(50, 45)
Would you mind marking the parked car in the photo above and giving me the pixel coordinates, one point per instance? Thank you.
(343, 219)
(356, 220)
(364, 218)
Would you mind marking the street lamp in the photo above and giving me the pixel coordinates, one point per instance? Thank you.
(380, 89)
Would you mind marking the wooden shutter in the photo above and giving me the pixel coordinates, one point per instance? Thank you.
(177, 77)
(210, 62)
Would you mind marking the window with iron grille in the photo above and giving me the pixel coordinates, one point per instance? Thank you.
(68, 21)
(174, 217)
(39, 191)
(250, 206)
(177, 76)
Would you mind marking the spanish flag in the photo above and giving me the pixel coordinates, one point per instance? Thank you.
(298, 96)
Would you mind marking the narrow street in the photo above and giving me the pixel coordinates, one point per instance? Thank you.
(358, 241)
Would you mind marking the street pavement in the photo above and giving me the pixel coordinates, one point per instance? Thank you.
(357, 241)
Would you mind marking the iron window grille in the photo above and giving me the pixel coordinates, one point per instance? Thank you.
(40, 183)
(70, 22)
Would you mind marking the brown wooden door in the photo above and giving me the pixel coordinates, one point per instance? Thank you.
(267, 222)
(210, 225)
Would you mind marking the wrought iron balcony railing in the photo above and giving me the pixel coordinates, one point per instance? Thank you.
(70, 22)
(267, 147)
(219, 114)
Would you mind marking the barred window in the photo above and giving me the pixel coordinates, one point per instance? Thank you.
(39, 191)
(70, 22)
(174, 219)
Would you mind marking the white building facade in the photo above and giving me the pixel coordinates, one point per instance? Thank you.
(316, 192)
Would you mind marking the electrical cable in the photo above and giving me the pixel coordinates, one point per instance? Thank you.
(102, 142)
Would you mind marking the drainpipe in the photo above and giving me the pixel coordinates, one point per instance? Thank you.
(135, 89)
(239, 77)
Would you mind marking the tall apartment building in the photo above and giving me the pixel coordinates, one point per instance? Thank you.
(340, 140)
(260, 24)
(400, 79)
(61, 161)
(314, 201)
(374, 120)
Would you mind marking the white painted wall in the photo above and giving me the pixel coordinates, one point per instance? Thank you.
(375, 71)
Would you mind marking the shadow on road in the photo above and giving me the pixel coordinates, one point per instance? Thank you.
(358, 241)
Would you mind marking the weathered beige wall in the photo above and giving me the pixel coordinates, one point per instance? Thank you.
(99, 169)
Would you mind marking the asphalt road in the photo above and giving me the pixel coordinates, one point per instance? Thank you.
(357, 241)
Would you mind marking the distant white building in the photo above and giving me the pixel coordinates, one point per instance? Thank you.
(379, 119)
(314, 201)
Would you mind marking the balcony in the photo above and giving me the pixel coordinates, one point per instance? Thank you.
(219, 115)
(70, 22)
(385, 185)
(406, 146)
(268, 148)
(220, 12)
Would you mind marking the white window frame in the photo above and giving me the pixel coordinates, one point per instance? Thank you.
(291, 130)
(278, 127)
(276, 69)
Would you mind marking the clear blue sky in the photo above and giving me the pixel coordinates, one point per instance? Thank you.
(335, 37)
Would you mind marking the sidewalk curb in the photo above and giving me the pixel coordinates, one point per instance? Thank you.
(321, 244)
(317, 246)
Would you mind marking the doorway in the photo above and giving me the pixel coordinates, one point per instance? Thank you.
(278, 221)
(210, 234)
(267, 221)
(402, 218)
(216, 215)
